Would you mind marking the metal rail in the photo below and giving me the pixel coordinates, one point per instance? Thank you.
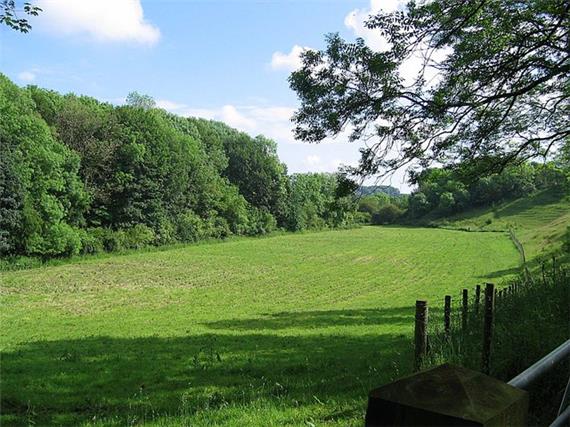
(562, 419)
(530, 375)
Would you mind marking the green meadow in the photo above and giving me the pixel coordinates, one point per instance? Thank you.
(286, 330)
(538, 220)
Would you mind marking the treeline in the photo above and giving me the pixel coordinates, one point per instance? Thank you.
(442, 192)
(445, 191)
(81, 176)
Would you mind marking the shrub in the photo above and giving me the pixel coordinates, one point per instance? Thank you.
(110, 240)
(137, 237)
(387, 214)
(446, 202)
(166, 232)
(260, 222)
(58, 239)
(189, 227)
(362, 218)
(91, 242)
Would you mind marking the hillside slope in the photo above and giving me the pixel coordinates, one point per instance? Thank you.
(539, 220)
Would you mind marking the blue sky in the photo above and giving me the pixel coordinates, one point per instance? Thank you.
(225, 60)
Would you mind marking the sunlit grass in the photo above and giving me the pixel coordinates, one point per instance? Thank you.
(539, 220)
(293, 329)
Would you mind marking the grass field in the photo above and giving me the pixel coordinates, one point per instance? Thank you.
(287, 330)
(539, 220)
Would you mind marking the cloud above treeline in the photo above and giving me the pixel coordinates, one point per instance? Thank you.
(27, 76)
(288, 61)
(271, 121)
(99, 20)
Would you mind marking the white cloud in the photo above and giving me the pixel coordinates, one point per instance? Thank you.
(27, 76)
(230, 115)
(355, 21)
(271, 121)
(102, 20)
(288, 61)
(169, 105)
(312, 160)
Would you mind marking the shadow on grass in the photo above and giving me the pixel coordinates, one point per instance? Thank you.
(519, 206)
(126, 380)
(319, 319)
(501, 274)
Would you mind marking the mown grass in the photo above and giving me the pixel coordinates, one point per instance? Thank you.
(538, 220)
(289, 330)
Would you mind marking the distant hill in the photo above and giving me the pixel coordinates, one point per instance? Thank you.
(368, 190)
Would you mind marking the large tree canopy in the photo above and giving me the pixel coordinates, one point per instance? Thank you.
(492, 85)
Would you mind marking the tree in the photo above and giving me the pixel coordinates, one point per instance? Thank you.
(11, 200)
(253, 165)
(9, 16)
(387, 214)
(40, 191)
(138, 100)
(493, 84)
(81, 176)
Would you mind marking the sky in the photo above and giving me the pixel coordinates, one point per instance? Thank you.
(226, 60)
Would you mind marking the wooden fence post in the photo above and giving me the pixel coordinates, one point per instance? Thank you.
(488, 326)
(447, 316)
(465, 310)
(420, 333)
(477, 298)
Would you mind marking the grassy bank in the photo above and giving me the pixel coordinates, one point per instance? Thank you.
(539, 221)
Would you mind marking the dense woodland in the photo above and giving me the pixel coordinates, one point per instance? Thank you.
(81, 176)
(78, 176)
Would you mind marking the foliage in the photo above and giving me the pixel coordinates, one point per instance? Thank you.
(9, 17)
(373, 204)
(530, 320)
(80, 176)
(445, 191)
(387, 214)
(368, 190)
(42, 197)
(492, 85)
(314, 202)
(138, 100)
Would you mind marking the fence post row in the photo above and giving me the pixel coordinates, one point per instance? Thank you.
(420, 333)
(488, 326)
